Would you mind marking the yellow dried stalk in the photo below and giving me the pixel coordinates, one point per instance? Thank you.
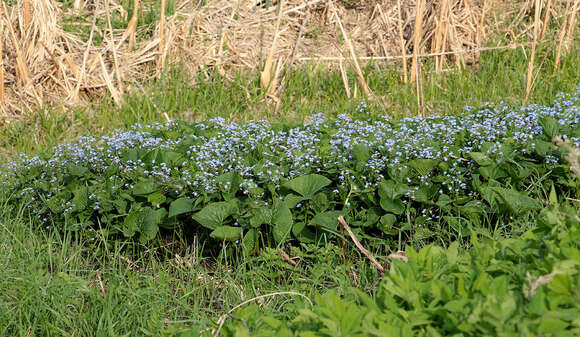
(344, 78)
(402, 41)
(266, 74)
(417, 38)
(533, 56)
(26, 13)
(562, 36)
(2, 99)
(546, 19)
(161, 50)
(22, 69)
(113, 49)
(361, 79)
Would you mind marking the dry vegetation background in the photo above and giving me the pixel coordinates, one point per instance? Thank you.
(42, 63)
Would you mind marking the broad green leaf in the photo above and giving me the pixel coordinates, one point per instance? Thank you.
(229, 182)
(308, 185)
(551, 325)
(393, 206)
(214, 214)
(145, 188)
(481, 158)
(282, 221)
(261, 216)
(291, 200)
(392, 190)
(131, 223)
(180, 206)
(361, 152)
(386, 224)
(550, 126)
(328, 220)
(76, 171)
(250, 241)
(80, 199)
(227, 233)
(423, 166)
(149, 225)
(156, 198)
(517, 202)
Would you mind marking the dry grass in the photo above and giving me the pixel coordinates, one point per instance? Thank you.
(44, 63)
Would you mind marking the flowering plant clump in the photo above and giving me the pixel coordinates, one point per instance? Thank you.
(239, 181)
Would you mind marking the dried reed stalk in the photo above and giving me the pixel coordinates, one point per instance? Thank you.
(266, 74)
(402, 41)
(361, 79)
(131, 30)
(26, 15)
(22, 69)
(81, 76)
(546, 19)
(344, 78)
(572, 24)
(161, 51)
(114, 49)
(562, 35)
(2, 99)
(533, 56)
(417, 37)
(439, 31)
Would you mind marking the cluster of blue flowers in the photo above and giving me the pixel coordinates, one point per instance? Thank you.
(265, 154)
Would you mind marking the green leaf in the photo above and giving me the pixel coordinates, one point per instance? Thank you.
(261, 216)
(361, 152)
(214, 214)
(308, 185)
(227, 233)
(149, 225)
(553, 198)
(481, 158)
(328, 220)
(76, 171)
(386, 223)
(250, 241)
(516, 202)
(156, 198)
(550, 126)
(229, 183)
(391, 190)
(145, 187)
(392, 206)
(551, 325)
(282, 221)
(80, 199)
(180, 206)
(131, 223)
(291, 200)
(423, 166)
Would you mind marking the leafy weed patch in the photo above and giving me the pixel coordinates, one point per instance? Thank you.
(256, 184)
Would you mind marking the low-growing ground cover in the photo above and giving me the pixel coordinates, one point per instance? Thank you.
(164, 228)
(415, 179)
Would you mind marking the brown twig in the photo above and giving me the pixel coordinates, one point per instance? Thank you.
(287, 257)
(223, 318)
(357, 243)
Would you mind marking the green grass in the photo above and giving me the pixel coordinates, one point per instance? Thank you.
(58, 284)
(309, 89)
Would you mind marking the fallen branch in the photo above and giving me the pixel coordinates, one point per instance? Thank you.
(223, 317)
(363, 250)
